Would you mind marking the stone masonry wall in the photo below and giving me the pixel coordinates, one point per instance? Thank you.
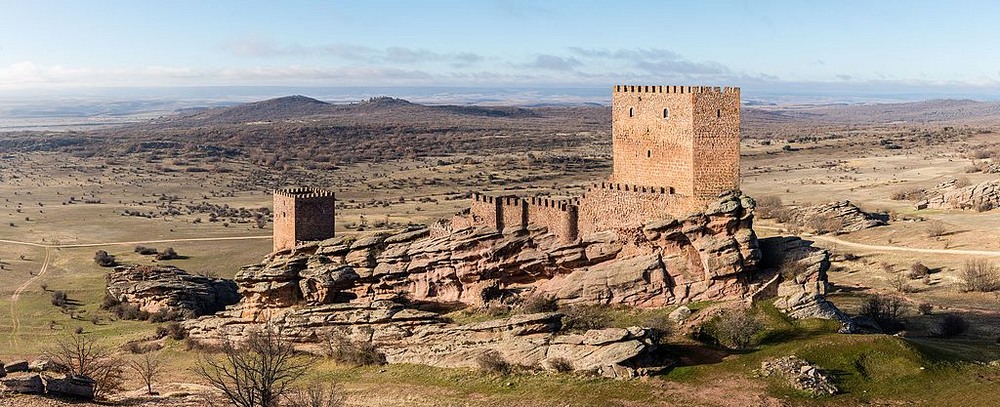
(302, 214)
(649, 149)
(716, 144)
(559, 216)
(485, 210)
(615, 206)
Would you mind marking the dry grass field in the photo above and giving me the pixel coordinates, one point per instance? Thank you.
(59, 205)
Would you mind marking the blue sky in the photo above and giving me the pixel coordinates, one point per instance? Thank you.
(897, 46)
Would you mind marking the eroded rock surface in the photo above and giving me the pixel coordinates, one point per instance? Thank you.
(982, 196)
(170, 288)
(800, 283)
(837, 217)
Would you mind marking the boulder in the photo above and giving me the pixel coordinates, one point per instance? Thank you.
(24, 383)
(74, 386)
(16, 366)
(680, 314)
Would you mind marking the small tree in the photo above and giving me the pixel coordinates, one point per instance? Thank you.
(81, 355)
(256, 372)
(103, 259)
(980, 275)
(736, 329)
(884, 310)
(148, 367)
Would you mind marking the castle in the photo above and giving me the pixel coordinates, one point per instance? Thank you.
(675, 149)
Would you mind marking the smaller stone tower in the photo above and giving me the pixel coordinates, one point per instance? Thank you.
(302, 214)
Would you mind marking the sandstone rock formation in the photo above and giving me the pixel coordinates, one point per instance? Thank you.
(170, 288)
(706, 256)
(982, 196)
(406, 335)
(800, 284)
(353, 287)
(837, 217)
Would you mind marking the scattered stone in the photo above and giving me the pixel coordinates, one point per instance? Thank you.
(81, 387)
(801, 374)
(16, 366)
(680, 314)
(23, 383)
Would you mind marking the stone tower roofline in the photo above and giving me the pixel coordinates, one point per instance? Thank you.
(303, 192)
(676, 89)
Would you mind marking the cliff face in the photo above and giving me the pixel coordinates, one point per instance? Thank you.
(706, 256)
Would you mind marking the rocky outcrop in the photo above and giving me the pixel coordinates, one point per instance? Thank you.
(169, 288)
(800, 374)
(35, 378)
(983, 196)
(406, 335)
(23, 383)
(705, 256)
(837, 217)
(352, 287)
(800, 282)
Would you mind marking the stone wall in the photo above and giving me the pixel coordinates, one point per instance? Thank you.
(608, 206)
(680, 137)
(302, 214)
(559, 216)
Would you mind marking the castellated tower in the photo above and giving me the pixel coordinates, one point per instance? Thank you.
(302, 214)
(684, 139)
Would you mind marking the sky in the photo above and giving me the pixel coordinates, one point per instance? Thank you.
(777, 46)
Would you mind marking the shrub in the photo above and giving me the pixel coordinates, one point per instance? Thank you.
(164, 315)
(145, 251)
(59, 298)
(925, 308)
(539, 303)
(736, 329)
(138, 348)
(936, 229)
(168, 254)
(128, 311)
(980, 275)
(886, 311)
(792, 267)
(585, 317)
(825, 224)
(918, 270)
(560, 364)
(768, 206)
(356, 353)
(949, 326)
(907, 194)
(109, 302)
(492, 361)
(103, 259)
(900, 283)
(326, 395)
(172, 330)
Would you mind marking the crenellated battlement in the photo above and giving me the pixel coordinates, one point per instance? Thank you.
(615, 186)
(303, 192)
(559, 204)
(676, 89)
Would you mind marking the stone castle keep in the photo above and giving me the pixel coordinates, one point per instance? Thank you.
(675, 149)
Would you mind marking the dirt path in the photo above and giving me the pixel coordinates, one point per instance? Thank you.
(15, 321)
(834, 240)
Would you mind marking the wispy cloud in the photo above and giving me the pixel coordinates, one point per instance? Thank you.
(253, 47)
(654, 61)
(554, 63)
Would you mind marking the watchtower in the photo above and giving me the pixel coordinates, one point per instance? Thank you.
(685, 139)
(302, 214)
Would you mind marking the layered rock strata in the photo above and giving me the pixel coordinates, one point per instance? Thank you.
(168, 288)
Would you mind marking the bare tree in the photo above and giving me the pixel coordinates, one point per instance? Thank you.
(255, 372)
(82, 355)
(148, 366)
(327, 395)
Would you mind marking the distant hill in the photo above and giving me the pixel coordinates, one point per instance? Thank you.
(302, 107)
(945, 111)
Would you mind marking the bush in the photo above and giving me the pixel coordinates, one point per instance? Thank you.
(561, 365)
(918, 270)
(326, 395)
(59, 298)
(164, 315)
(168, 254)
(825, 224)
(768, 206)
(736, 329)
(792, 267)
(139, 348)
(585, 317)
(539, 303)
(925, 308)
(980, 275)
(936, 229)
(103, 259)
(901, 284)
(492, 361)
(949, 326)
(145, 251)
(172, 330)
(355, 353)
(886, 311)
(907, 194)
